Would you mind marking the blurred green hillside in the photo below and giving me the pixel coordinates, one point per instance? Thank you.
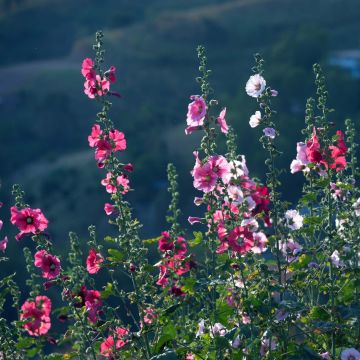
(45, 118)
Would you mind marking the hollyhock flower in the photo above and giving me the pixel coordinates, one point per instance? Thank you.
(177, 291)
(270, 132)
(250, 223)
(129, 167)
(222, 122)
(190, 356)
(96, 87)
(87, 69)
(150, 315)
(110, 188)
(313, 151)
(350, 354)
(28, 221)
(162, 280)
(201, 328)
(265, 345)
(293, 219)
(94, 137)
(109, 209)
(196, 111)
(204, 178)
(123, 181)
(3, 244)
(93, 261)
(290, 249)
(239, 240)
(238, 168)
(93, 304)
(118, 138)
(217, 329)
(235, 194)
(110, 74)
(356, 207)
(325, 355)
(335, 259)
(198, 201)
(115, 341)
(255, 85)
(281, 314)
(274, 92)
(260, 243)
(49, 264)
(236, 342)
(38, 312)
(220, 167)
(255, 119)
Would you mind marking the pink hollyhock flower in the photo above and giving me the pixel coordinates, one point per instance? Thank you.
(204, 178)
(110, 74)
(293, 219)
(38, 313)
(255, 85)
(350, 354)
(123, 181)
(236, 342)
(28, 221)
(290, 249)
(235, 194)
(198, 201)
(107, 182)
(274, 92)
(196, 111)
(115, 341)
(93, 261)
(313, 152)
(96, 87)
(93, 303)
(150, 315)
(118, 138)
(162, 280)
(109, 209)
(260, 243)
(220, 167)
(3, 244)
(239, 240)
(190, 356)
(87, 69)
(1, 224)
(49, 264)
(255, 119)
(281, 314)
(222, 122)
(94, 137)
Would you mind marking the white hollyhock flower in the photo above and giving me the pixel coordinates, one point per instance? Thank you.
(294, 219)
(356, 206)
(255, 119)
(255, 85)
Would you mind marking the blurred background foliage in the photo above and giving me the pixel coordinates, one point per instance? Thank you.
(45, 118)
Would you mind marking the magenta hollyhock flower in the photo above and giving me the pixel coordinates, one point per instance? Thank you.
(3, 244)
(94, 137)
(241, 240)
(162, 280)
(109, 209)
(38, 313)
(110, 74)
(28, 221)
(204, 178)
(129, 167)
(87, 69)
(115, 341)
(49, 264)
(222, 122)
(93, 261)
(96, 87)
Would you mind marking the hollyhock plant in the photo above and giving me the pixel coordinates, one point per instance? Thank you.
(93, 261)
(28, 221)
(38, 312)
(115, 341)
(196, 113)
(49, 264)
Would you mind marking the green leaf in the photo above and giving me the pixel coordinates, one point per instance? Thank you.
(25, 343)
(32, 352)
(108, 290)
(168, 333)
(189, 284)
(116, 255)
(301, 263)
(152, 240)
(197, 239)
(109, 239)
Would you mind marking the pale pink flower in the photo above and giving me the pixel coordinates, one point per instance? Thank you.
(350, 354)
(255, 119)
(123, 181)
(296, 166)
(255, 85)
(325, 355)
(236, 342)
(290, 249)
(281, 314)
(265, 344)
(193, 220)
(217, 329)
(190, 356)
(196, 113)
(335, 259)
(250, 223)
(222, 122)
(260, 243)
(294, 219)
(220, 167)
(301, 158)
(235, 194)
